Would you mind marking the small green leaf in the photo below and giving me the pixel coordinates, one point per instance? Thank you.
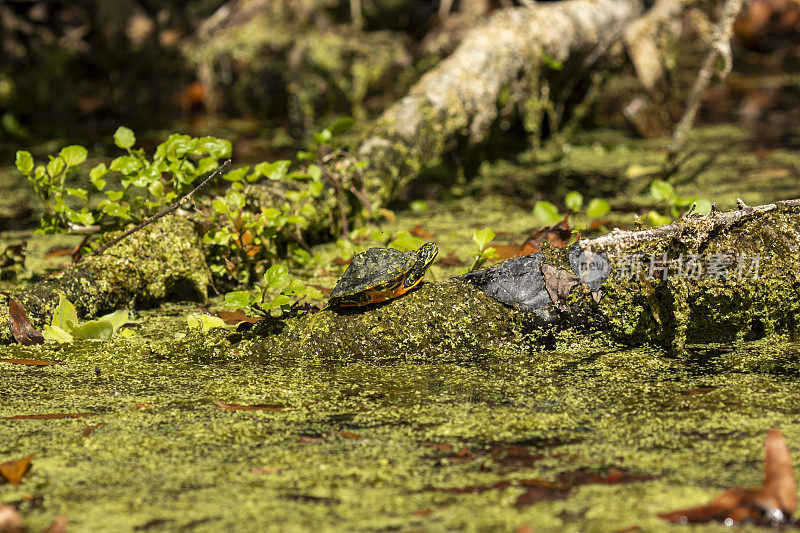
(341, 126)
(315, 188)
(237, 174)
(276, 302)
(597, 208)
(55, 333)
(204, 322)
(657, 219)
(235, 199)
(276, 276)
(96, 176)
(662, 191)
(482, 237)
(117, 319)
(220, 206)
(207, 164)
(322, 137)
(574, 201)
(78, 193)
(546, 213)
(55, 166)
(238, 300)
(73, 155)
(418, 206)
(703, 207)
(94, 329)
(294, 287)
(24, 162)
(124, 137)
(277, 170)
(314, 172)
(270, 212)
(65, 316)
(126, 164)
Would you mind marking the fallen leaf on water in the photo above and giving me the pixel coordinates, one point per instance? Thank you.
(307, 439)
(354, 436)
(234, 317)
(514, 456)
(59, 251)
(771, 505)
(28, 362)
(320, 288)
(254, 407)
(341, 261)
(441, 446)
(557, 235)
(141, 405)
(13, 471)
(88, 430)
(21, 328)
(558, 283)
(46, 416)
(450, 260)
(419, 231)
(507, 252)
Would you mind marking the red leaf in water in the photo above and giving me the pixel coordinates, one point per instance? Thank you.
(47, 416)
(13, 471)
(254, 407)
(770, 505)
(557, 235)
(28, 362)
(21, 328)
(419, 231)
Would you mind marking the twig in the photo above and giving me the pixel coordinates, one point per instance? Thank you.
(720, 47)
(164, 212)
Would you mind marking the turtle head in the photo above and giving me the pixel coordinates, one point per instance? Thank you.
(425, 256)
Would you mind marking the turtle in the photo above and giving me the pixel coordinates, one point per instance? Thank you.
(381, 274)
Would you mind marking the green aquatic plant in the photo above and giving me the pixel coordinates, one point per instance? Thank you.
(482, 238)
(273, 292)
(664, 193)
(65, 326)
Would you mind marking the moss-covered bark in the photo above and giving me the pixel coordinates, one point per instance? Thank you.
(452, 319)
(162, 260)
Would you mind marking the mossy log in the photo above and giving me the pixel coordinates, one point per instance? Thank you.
(459, 97)
(165, 259)
(454, 320)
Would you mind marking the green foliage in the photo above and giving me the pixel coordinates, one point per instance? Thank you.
(65, 326)
(482, 237)
(548, 214)
(664, 193)
(405, 242)
(274, 292)
(142, 185)
(205, 322)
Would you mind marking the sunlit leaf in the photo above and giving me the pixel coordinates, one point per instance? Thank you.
(65, 316)
(546, 213)
(24, 162)
(574, 201)
(94, 329)
(124, 137)
(73, 155)
(597, 208)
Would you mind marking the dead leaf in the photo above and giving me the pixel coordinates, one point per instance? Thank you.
(441, 446)
(13, 471)
(10, 521)
(450, 260)
(341, 261)
(21, 328)
(34, 362)
(235, 317)
(254, 407)
(59, 252)
(354, 436)
(141, 405)
(507, 252)
(88, 430)
(557, 236)
(514, 456)
(323, 290)
(770, 505)
(419, 231)
(306, 439)
(558, 283)
(47, 416)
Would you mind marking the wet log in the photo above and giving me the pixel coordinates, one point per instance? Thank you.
(696, 282)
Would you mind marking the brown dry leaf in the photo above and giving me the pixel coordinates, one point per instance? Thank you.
(254, 407)
(10, 521)
(450, 260)
(341, 261)
(354, 436)
(323, 290)
(558, 283)
(21, 328)
(88, 430)
(770, 505)
(28, 362)
(141, 405)
(557, 235)
(59, 252)
(441, 446)
(306, 439)
(14, 471)
(47, 416)
(419, 231)
(235, 317)
(507, 252)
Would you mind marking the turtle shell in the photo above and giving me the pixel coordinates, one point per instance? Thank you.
(372, 268)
